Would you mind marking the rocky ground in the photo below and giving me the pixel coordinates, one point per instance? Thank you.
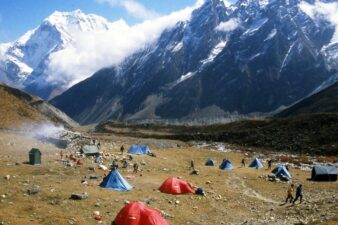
(232, 197)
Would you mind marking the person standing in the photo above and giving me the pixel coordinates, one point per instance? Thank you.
(290, 193)
(243, 162)
(61, 154)
(135, 166)
(122, 149)
(192, 164)
(299, 194)
(124, 163)
(269, 163)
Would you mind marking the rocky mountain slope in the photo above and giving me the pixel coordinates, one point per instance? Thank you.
(250, 58)
(24, 63)
(324, 101)
(19, 109)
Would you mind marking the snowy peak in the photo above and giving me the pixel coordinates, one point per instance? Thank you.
(76, 20)
(30, 53)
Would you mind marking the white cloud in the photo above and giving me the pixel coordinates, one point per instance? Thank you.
(133, 7)
(93, 51)
(320, 9)
(229, 25)
(227, 3)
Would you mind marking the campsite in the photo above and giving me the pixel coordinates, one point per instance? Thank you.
(236, 196)
(169, 112)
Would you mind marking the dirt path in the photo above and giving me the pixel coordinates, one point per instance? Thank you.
(240, 185)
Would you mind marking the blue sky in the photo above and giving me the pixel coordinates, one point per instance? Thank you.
(18, 16)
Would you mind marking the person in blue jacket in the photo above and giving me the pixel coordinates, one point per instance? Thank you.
(299, 194)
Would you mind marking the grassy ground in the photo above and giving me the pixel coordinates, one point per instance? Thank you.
(233, 197)
(14, 112)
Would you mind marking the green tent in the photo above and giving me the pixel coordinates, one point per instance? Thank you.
(90, 150)
(34, 156)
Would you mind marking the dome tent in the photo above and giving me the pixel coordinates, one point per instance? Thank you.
(115, 181)
(256, 164)
(139, 150)
(210, 162)
(226, 165)
(175, 186)
(137, 213)
(281, 170)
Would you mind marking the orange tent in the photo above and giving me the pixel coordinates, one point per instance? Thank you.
(176, 186)
(137, 213)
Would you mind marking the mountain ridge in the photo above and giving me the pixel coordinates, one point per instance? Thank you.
(195, 67)
(19, 109)
(323, 101)
(25, 62)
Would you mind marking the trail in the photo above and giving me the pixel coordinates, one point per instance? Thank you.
(240, 185)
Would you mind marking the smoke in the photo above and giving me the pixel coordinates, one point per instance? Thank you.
(95, 50)
(46, 129)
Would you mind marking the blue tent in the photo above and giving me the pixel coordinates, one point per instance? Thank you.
(139, 149)
(256, 164)
(226, 165)
(115, 181)
(281, 169)
(210, 162)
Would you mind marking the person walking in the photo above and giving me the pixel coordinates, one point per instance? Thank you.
(122, 149)
(290, 193)
(299, 194)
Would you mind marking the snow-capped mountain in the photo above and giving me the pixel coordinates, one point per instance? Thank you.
(255, 56)
(24, 62)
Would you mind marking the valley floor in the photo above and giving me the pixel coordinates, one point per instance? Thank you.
(232, 197)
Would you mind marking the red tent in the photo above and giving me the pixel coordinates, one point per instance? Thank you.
(137, 213)
(176, 186)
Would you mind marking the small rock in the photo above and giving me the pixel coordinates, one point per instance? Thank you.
(34, 190)
(75, 196)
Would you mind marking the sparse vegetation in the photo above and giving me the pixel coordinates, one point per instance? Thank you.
(314, 134)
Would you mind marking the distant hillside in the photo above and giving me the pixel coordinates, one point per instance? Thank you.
(314, 134)
(324, 101)
(18, 108)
